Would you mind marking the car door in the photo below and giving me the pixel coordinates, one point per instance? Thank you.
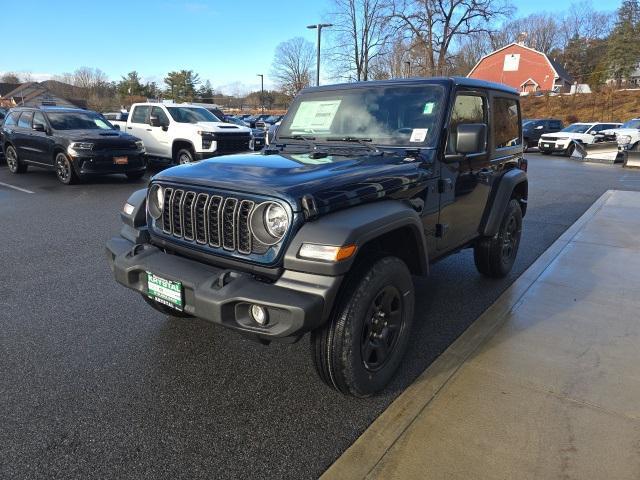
(464, 185)
(160, 144)
(41, 140)
(138, 125)
(22, 136)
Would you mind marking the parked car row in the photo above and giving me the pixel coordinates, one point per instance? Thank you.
(77, 143)
(564, 141)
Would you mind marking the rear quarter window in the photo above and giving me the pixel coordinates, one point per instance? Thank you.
(12, 119)
(506, 122)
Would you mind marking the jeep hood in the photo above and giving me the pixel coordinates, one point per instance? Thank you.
(334, 181)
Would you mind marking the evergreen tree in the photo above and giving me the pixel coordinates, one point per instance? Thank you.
(624, 45)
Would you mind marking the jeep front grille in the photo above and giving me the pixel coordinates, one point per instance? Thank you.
(210, 220)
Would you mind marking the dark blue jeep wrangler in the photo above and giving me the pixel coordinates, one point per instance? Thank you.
(364, 185)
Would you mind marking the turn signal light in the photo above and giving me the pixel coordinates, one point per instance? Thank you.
(326, 253)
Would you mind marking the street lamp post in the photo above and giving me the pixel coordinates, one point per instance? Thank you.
(408, 68)
(319, 26)
(261, 91)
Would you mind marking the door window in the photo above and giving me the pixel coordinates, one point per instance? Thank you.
(38, 117)
(140, 114)
(467, 109)
(158, 112)
(506, 123)
(25, 120)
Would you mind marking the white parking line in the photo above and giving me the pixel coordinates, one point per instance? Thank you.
(15, 188)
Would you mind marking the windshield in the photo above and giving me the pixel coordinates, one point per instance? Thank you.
(632, 124)
(388, 115)
(191, 115)
(577, 128)
(78, 121)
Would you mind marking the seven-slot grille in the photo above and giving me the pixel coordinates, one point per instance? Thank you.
(210, 220)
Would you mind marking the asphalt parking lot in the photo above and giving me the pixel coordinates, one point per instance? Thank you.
(95, 384)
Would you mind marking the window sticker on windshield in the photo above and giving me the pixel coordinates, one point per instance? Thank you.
(418, 134)
(428, 108)
(316, 115)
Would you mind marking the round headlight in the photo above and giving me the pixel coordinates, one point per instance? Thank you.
(276, 220)
(155, 201)
(624, 139)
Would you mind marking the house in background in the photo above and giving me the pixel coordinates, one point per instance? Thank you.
(34, 94)
(523, 68)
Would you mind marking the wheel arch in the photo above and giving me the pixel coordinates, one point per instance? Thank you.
(390, 227)
(512, 184)
(179, 143)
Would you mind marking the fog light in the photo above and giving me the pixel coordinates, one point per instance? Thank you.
(259, 314)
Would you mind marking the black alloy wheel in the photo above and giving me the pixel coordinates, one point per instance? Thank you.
(381, 328)
(13, 162)
(64, 169)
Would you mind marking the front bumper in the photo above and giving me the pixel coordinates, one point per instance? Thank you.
(296, 302)
(553, 146)
(103, 163)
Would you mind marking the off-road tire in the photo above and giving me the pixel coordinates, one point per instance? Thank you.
(13, 161)
(64, 169)
(171, 312)
(494, 256)
(340, 346)
(183, 156)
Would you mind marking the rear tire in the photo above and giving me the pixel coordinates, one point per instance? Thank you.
(494, 256)
(569, 151)
(64, 169)
(359, 349)
(13, 162)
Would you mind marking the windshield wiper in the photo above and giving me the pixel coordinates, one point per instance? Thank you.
(362, 141)
(314, 153)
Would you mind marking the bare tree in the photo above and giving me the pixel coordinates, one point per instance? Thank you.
(10, 77)
(360, 34)
(539, 31)
(435, 26)
(292, 65)
(583, 21)
(393, 61)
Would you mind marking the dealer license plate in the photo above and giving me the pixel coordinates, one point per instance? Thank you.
(120, 160)
(166, 292)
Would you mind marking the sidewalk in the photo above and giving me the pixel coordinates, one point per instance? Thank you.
(544, 385)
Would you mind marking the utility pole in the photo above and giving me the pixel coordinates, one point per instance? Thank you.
(319, 26)
(261, 91)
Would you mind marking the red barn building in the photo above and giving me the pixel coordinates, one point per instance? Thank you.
(523, 68)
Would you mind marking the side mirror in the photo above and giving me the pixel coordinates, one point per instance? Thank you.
(154, 121)
(539, 127)
(39, 127)
(116, 127)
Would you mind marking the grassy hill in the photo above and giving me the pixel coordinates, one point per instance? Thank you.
(605, 106)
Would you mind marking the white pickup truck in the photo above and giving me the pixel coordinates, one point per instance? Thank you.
(564, 140)
(183, 133)
(627, 136)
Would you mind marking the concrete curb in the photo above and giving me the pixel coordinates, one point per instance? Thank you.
(367, 451)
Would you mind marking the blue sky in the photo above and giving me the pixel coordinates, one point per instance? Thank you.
(226, 41)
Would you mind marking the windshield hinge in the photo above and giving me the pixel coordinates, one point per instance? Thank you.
(309, 207)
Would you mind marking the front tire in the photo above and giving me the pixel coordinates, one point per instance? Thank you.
(494, 256)
(569, 151)
(361, 346)
(64, 169)
(13, 162)
(184, 156)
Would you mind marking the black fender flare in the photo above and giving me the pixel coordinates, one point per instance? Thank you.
(356, 226)
(499, 199)
(181, 140)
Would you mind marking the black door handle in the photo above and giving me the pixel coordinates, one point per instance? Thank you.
(129, 128)
(148, 129)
